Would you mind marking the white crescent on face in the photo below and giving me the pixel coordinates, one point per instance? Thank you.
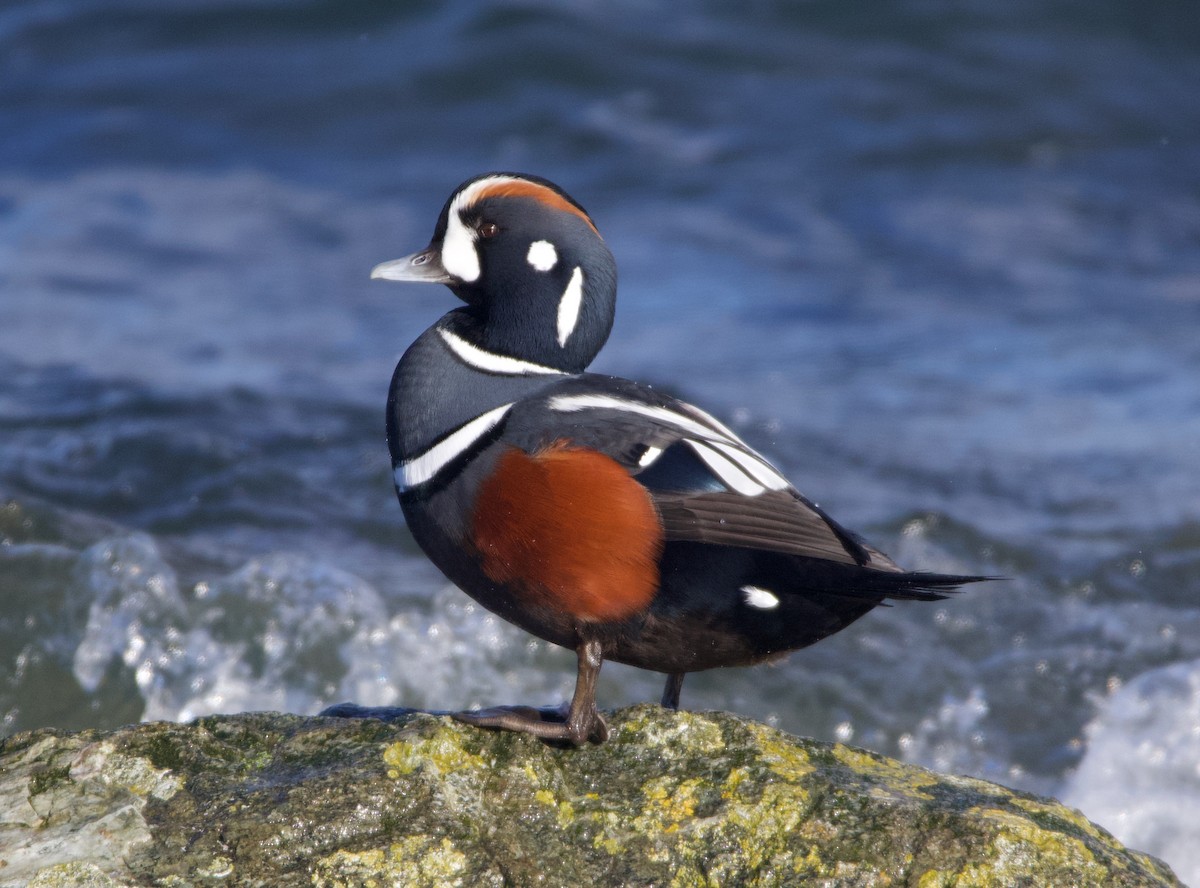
(460, 257)
(569, 305)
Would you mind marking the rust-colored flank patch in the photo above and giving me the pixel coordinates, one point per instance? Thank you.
(569, 529)
(522, 188)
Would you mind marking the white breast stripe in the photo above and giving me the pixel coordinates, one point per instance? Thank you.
(730, 473)
(571, 403)
(763, 599)
(569, 305)
(420, 469)
(482, 359)
(758, 469)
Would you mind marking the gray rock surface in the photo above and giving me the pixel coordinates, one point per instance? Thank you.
(686, 799)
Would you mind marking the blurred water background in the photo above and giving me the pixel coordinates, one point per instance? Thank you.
(940, 261)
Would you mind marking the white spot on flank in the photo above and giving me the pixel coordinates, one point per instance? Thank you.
(482, 359)
(757, 596)
(569, 305)
(542, 255)
(425, 466)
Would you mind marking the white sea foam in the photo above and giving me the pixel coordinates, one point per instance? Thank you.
(136, 616)
(1140, 777)
(287, 632)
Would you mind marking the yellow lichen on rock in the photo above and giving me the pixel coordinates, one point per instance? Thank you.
(683, 799)
(669, 802)
(1020, 846)
(441, 752)
(1021, 840)
(77, 874)
(783, 757)
(1060, 812)
(564, 811)
(892, 776)
(414, 861)
(687, 730)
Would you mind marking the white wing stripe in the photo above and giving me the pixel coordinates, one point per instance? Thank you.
(722, 451)
(572, 403)
(482, 359)
(713, 421)
(731, 475)
(422, 468)
(758, 469)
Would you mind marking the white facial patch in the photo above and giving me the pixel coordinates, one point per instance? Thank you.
(459, 256)
(542, 255)
(757, 596)
(569, 305)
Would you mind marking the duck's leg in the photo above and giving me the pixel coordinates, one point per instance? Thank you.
(670, 697)
(583, 722)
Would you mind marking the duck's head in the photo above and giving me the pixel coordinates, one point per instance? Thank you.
(538, 280)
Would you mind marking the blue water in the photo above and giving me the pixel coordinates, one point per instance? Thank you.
(940, 262)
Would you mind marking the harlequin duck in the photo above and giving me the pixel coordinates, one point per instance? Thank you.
(595, 512)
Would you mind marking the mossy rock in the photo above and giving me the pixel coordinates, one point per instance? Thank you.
(673, 799)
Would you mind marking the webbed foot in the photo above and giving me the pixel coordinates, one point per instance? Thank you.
(548, 723)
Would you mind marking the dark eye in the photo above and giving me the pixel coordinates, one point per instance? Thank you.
(488, 229)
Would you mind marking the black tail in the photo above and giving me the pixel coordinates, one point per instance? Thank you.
(918, 585)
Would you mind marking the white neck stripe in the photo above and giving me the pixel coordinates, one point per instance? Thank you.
(423, 467)
(490, 362)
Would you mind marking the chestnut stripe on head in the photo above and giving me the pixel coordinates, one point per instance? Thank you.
(505, 186)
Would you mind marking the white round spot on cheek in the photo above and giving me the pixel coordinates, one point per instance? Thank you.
(542, 255)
